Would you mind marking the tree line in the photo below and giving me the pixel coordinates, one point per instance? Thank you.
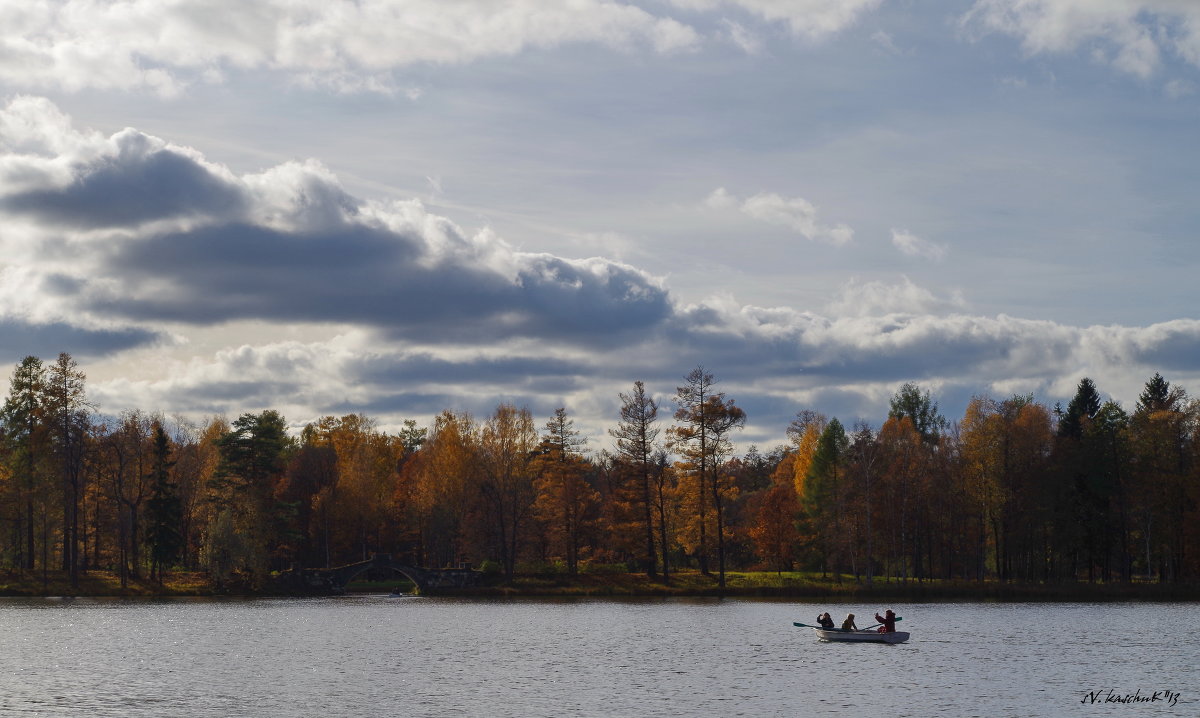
(1014, 491)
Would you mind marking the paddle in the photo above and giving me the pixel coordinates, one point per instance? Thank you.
(805, 625)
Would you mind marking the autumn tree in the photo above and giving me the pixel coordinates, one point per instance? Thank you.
(67, 408)
(565, 501)
(861, 473)
(774, 531)
(507, 448)
(804, 433)
(822, 496)
(447, 473)
(902, 469)
(124, 468)
(702, 437)
(197, 458)
(636, 441)
(361, 500)
(1006, 449)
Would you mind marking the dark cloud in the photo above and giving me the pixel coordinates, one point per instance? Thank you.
(1175, 346)
(290, 245)
(402, 403)
(524, 372)
(219, 397)
(19, 339)
(129, 189)
(363, 275)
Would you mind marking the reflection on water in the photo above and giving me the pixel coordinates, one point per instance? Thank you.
(355, 656)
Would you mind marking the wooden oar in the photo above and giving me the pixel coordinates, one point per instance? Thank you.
(805, 625)
(877, 625)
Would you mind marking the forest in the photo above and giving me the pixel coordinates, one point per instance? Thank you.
(1013, 491)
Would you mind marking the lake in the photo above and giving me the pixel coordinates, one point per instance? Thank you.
(417, 656)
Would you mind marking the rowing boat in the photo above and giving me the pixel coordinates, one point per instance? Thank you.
(834, 634)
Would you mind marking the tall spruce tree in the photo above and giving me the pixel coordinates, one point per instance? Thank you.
(164, 509)
(246, 514)
(1083, 406)
(25, 435)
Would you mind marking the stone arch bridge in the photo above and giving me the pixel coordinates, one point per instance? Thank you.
(335, 580)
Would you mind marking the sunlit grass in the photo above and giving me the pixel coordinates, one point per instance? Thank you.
(101, 583)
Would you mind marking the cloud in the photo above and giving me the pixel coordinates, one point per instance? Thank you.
(137, 229)
(404, 311)
(885, 42)
(742, 37)
(795, 213)
(354, 371)
(914, 246)
(861, 299)
(1130, 35)
(810, 19)
(1176, 89)
(771, 360)
(20, 337)
(149, 44)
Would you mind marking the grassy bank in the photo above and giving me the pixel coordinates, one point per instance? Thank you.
(101, 583)
(788, 585)
(796, 585)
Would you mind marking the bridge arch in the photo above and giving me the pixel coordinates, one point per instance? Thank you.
(346, 574)
(426, 580)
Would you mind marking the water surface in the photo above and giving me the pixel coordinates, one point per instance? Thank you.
(368, 655)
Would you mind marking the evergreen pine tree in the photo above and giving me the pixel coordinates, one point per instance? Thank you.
(164, 510)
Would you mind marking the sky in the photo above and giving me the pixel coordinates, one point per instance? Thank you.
(399, 207)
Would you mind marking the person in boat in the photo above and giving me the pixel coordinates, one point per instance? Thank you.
(848, 624)
(825, 620)
(888, 619)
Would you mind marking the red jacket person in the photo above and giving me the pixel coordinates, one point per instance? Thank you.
(888, 619)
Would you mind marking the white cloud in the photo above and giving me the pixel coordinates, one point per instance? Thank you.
(885, 42)
(811, 19)
(720, 199)
(914, 246)
(1176, 89)
(739, 35)
(794, 213)
(1131, 35)
(863, 299)
(161, 46)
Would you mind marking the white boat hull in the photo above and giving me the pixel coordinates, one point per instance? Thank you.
(861, 636)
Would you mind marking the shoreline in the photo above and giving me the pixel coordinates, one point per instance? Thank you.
(689, 584)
